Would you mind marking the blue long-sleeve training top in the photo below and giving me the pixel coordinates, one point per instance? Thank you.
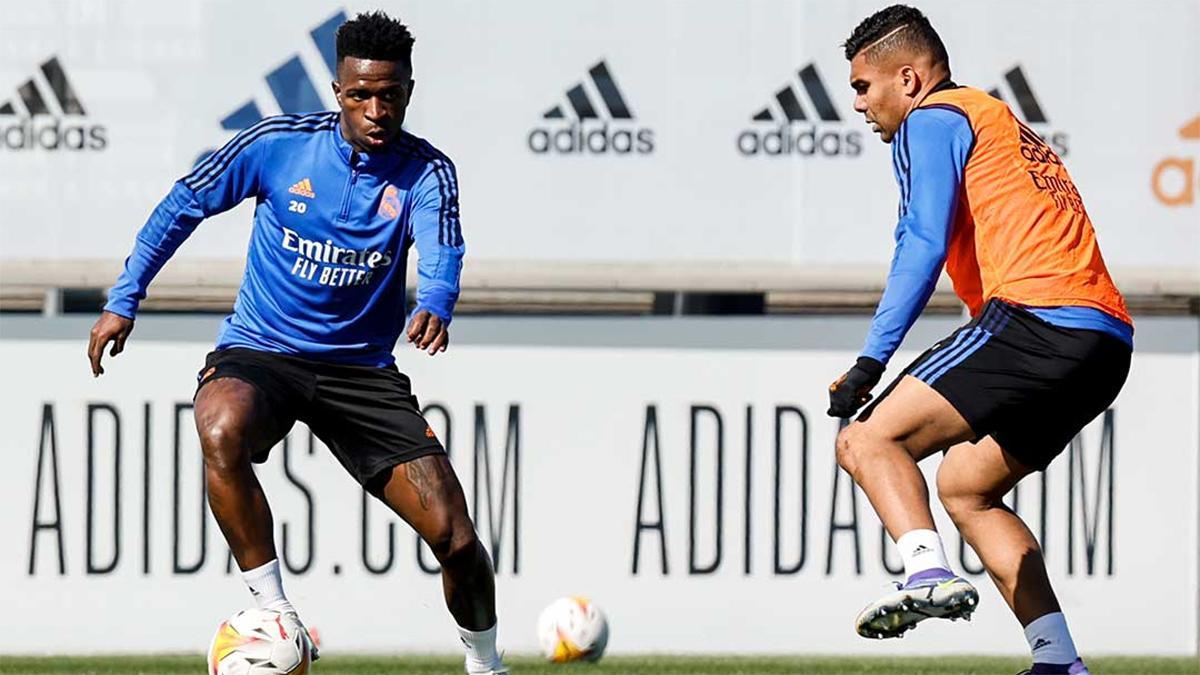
(325, 271)
(929, 155)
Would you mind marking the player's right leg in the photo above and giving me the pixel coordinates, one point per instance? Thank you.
(235, 424)
(238, 423)
(880, 451)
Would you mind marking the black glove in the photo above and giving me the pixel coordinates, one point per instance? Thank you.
(852, 391)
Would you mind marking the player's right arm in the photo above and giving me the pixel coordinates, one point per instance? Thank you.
(932, 157)
(217, 184)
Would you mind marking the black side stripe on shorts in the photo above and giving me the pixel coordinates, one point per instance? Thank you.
(449, 225)
(216, 164)
(968, 341)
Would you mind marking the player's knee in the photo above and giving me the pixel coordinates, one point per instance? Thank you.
(852, 445)
(222, 441)
(959, 500)
(453, 541)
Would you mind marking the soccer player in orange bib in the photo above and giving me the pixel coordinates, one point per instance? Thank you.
(1047, 349)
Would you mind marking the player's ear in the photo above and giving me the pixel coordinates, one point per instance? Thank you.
(910, 80)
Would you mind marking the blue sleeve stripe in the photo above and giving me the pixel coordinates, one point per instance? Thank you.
(903, 153)
(448, 186)
(449, 226)
(219, 161)
(901, 165)
(203, 176)
(212, 158)
(209, 170)
(906, 158)
(420, 150)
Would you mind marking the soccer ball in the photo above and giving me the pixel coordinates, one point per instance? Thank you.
(572, 629)
(258, 642)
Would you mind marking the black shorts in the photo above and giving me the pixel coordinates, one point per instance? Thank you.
(366, 415)
(1028, 384)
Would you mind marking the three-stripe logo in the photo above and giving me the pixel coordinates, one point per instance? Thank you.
(291, 86)
(49, 122)
(1030, 108)
(786, 126)
(582, 127)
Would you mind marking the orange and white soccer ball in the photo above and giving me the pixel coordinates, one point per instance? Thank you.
(572, 629)
(258, 642)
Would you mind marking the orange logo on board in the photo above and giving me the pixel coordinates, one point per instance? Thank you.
(303, 188)
(1174, 178)
(389, 206)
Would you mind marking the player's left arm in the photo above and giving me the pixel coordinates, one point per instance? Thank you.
(938, 143)
(437, 232)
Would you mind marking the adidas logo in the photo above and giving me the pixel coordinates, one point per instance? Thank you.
(1021, 93)
(587, 130)
(1035, 149)
(921, 548)
(1041, 642)
(290, 84)
(39, 125)
(788, 127)
(303, 188)
(1174, 178)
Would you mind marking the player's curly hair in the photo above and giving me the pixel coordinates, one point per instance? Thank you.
(375, 36)
(905, 28)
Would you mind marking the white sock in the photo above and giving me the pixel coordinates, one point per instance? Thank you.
(480, 646)
(1049, 639)
(922, 550)
(266, 585)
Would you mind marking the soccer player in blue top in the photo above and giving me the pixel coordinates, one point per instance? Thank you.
(341, 197)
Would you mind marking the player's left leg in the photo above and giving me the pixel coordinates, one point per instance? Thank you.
(1084, 371)
(373, 425)
(971, 481)
(426, 493)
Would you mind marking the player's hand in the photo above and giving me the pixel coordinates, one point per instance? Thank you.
(112, 328)
(851, 391)
(427, 331)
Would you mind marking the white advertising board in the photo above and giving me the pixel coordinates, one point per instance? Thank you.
(596, 130)
(692, 493)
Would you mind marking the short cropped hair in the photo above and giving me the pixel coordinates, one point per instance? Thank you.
(905, 29)
(375, 36)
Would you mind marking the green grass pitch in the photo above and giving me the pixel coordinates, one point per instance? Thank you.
(623, 665)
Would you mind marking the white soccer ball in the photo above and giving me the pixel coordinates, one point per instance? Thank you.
(258, 642)
(572, 629)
